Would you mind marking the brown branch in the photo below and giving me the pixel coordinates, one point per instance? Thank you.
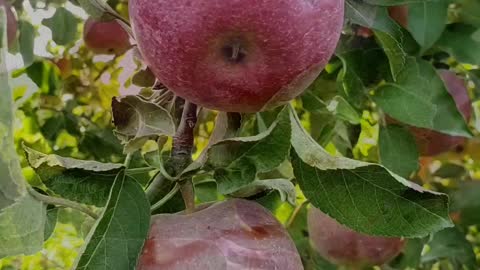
(181, 157)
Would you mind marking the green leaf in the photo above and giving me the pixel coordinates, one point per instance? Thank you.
(420, 98)
(398, 150)
(363, 196)
(373, 17)
(361, 68)
(27, 42)
(410, 256)
(117, 238)
(469, 11)
(466, 203)
(285, 188)
(458, 40)
(394, 51)
(22, 218)
(83, 181)
(12, 185)
(451, 243)
(426, 21)
(138, 119)
(238, 160)
(22, 227)
(50, 222)
(63, 25)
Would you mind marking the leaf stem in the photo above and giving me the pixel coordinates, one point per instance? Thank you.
(62, 202)
(127, 161)
(295, 213)
(166, 198)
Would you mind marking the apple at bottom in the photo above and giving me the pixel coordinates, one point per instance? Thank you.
(231, 235)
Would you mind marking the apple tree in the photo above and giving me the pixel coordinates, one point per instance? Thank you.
(239, 134)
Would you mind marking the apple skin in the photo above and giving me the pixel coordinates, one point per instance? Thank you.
(399, 14)
(432, 143)
(341, 245)
(232, 235)
(105, 37)
(282, 47)
(12, 25)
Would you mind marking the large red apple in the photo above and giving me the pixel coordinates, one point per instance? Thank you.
(342, 246)
(232, 235)
(105, 37)
(239, 56)
(12, 25)
(431, 143)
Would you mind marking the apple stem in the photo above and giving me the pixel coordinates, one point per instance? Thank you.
(295, 213)
(235, 51)
(182, 152)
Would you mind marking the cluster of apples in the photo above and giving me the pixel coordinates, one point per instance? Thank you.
(248, 56)
(242, 56)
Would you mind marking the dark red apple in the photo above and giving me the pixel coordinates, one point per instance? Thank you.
(431, 143)
(341, 245)
(238, 56)
(399, 14)
(105, 37)
(12, 25)
(232, 235)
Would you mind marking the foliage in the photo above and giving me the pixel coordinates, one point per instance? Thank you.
(96, 131)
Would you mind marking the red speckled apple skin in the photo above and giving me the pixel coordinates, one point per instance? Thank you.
(341, 245)
(232, 235)
(105, 37)
(284, 45)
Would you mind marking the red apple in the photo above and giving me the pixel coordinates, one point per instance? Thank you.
(431, 143)
(341, 245)
(12, 25)
(399, 14)
(232, 235)
(238, 56)
(105, 37)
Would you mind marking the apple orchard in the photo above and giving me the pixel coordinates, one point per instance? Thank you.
(239, 134)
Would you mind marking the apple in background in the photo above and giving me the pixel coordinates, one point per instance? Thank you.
(431, 143)
(399, 14)
(232, 235)
(341, 245)
(12, 25)
(105, 37)
(237, 56)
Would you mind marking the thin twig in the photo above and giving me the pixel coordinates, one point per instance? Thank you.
(166, 198)
(295, 213)
(62, 202)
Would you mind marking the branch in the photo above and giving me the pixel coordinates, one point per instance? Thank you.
(181, 157)
(295, 213)
(62, 202)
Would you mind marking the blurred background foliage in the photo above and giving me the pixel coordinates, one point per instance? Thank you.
(63, 96)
